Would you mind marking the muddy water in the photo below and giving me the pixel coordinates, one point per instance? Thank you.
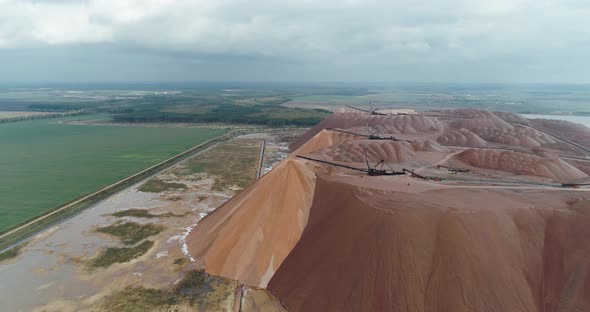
(47, 267)
(53, 267)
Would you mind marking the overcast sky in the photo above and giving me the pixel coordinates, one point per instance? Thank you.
(311, 40)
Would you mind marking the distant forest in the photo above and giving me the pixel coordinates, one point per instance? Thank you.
(230, 114)
(217, 108)
(256, 106)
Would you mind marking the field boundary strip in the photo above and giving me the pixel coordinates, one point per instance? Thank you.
(20, 233)
(261, 160)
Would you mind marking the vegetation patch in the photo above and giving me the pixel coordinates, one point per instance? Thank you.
(197, 168)
(197, 290)
(179, 261)
(112, 255)
(12, 253)
(156, 185)
(232, 164)
(174, 198)
(131, 232)
(259, 109)
(193, 284)
(139, 299)
(144, 213)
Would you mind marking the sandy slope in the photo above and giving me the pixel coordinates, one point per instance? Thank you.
(568, 130)
(248, 237)
(441, 250)
(519, 163)
(322, 139)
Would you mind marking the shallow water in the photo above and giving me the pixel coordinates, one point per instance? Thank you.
(47, 267)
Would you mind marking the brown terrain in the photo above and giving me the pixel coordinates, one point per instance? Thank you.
(487, 212)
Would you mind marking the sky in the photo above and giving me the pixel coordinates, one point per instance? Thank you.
(449, 41)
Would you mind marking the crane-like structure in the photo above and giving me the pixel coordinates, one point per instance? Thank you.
(373, 111)
(374, 170)
(370, 134)
(414, 174)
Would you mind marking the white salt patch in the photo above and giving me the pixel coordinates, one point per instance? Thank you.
(162, 254)
(138, 274)
(182, 237)
(221, 195)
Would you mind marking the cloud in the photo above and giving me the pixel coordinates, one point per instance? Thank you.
(338, 36)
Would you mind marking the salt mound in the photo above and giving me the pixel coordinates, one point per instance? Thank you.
(439, 251)
(354, 151)
(511, 118)
(323, 139)
(461, 127)
(377, 150)
(583, 166)
(390, 124)
(491, 128)
(404, 124)
(461, 137)
(476, 119)
(541, 152)
(248, 237)
(564, 129)
(515, 136)
(428, 146)
(363, 130)
(482, 136)
(560, 126)
(520, 163)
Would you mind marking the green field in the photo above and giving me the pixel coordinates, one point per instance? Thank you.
(44, 164)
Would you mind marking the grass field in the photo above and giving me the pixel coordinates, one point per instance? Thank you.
(45, 164)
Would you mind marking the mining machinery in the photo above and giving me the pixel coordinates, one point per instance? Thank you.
(373, 111)
(375, 170)
(413, 174)
(454, 170)
(370, 135)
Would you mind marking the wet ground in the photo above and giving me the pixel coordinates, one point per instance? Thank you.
(53, 271)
